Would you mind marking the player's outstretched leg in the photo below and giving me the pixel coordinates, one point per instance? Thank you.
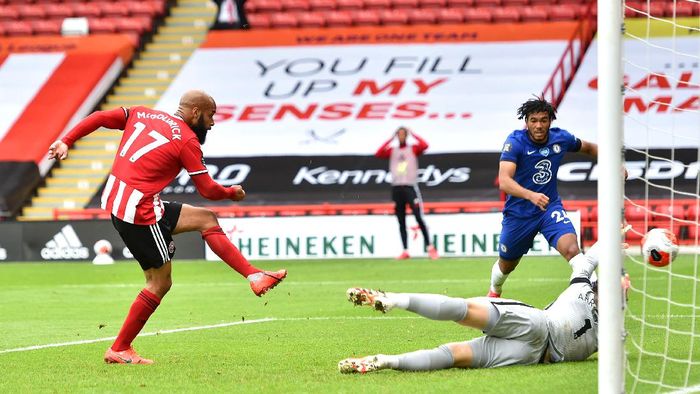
(432, 306)
(421, 360)
(260, 281)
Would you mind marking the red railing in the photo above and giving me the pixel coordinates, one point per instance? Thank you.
(571, 59)
(681, 216)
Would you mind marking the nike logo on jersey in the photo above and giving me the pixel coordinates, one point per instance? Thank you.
(531, 152)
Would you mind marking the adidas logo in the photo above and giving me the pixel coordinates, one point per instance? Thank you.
(65, 245)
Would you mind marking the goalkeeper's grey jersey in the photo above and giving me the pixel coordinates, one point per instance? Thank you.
(573, 324)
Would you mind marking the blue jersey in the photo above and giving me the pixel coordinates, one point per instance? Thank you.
(537, 166)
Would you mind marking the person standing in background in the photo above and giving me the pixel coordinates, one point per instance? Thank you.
(403, 165)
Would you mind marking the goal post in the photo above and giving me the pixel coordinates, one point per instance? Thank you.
(610, 192)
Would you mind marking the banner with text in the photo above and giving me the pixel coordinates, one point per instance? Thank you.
(446, 177)
(330, 237)
(340, 99)
(662, 100)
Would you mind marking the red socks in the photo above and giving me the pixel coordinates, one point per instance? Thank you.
(220, 244)
(142, 308)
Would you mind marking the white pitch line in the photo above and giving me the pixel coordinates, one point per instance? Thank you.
(199, 328)
(687, 390)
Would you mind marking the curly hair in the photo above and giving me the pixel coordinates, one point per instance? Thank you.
(536, 105)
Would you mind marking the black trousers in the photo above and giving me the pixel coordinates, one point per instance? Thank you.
(410, 195)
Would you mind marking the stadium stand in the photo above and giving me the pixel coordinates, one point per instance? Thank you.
(78, 178)
(185, 26)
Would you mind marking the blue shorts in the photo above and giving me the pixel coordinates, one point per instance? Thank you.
(517, 234)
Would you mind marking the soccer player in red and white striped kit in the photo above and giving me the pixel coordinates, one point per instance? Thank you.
(154, 148)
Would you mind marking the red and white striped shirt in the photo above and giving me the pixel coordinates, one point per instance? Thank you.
(153, 149)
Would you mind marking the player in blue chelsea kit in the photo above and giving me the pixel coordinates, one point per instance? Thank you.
(528, 174)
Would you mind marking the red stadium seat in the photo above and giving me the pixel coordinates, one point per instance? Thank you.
(88, 10)
(101, 25)
(691, 213)
(134, 24)
(422, 16)
(377, 4)
(142, 8)
(311, 19)
(683, 9)
(23, 2)
(338, 18)
(31, 12)
(259, 21)
(407, 4)
(477, 15)
(562, 13)
(349, 4)
(8, 14)
(283, 20)
(534, 13)
(296, 6)
(460, 3)
(487, 3)
(366, 18)
(58, 11)
(693, 232)
(593, 214)
(158, 6)
(2, 30)
(18, 28)
(543, 2)
(635, 234)
(449, 15)
(322, 5)
(249, 8)
(439, 4)
(635, 213)
(657, 9)
(268, 6)
(45, 1)
(519, 3)
(634, 9)
(128, 25)
(113, 9)
(394, 17)
(506, 14)
(47, 27)
(662, 211)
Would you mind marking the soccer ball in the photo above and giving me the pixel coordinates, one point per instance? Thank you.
(102, 247)
(659, 247)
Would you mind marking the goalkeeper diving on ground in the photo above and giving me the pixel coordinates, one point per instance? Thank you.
(515, 333)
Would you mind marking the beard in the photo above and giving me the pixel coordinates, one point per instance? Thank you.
(200, 130)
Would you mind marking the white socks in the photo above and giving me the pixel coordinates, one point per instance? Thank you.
(399, 300)
(498, 278)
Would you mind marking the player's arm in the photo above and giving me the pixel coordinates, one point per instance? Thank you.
(421, 146)
(191, 158)
(384, 151)
(112, 119)
(507, 184)
(589, 148)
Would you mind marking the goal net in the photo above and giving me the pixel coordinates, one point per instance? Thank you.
(661, 107)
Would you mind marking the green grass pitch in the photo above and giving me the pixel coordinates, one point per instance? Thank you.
(310, 327)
